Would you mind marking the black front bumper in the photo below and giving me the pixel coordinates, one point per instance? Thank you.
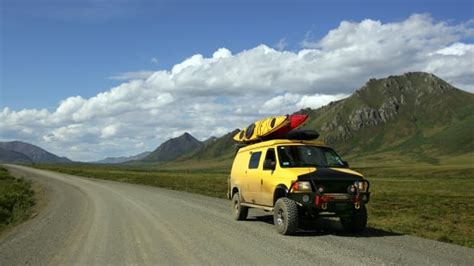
(329, 204)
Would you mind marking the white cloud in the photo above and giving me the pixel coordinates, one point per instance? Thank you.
(458, 49)
(308, 42)
(211, 96)
(109, 131)
(454, 63)
(289, 102)
(319, 100)
(281, 44)
(282, 104)
(221, 53)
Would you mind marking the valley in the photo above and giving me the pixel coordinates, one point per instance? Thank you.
(410, 135)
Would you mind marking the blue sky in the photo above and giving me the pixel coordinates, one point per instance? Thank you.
(97, 78)
(55, 49)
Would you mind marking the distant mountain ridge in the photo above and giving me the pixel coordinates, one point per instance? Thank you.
(217, 149)
(123, 159)
(174, 148)
(22, 152)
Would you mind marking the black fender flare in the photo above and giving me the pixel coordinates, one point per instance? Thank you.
(233, 191)
(280, 191)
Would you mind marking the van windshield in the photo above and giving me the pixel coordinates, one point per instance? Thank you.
(303, 156)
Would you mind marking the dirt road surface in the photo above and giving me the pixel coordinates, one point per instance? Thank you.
(97, 222)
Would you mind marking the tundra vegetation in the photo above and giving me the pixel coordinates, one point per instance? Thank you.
(16, 199)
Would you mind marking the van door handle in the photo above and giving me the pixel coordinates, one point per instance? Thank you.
(261, 181)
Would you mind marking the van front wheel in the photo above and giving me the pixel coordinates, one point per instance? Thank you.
(238, 211)
(285, 216)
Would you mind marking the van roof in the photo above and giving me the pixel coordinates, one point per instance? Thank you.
(274, 142)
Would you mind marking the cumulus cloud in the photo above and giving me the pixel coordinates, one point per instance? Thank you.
(209, 96)
(109, 131)
(454, 63)
(289, 102)
(281, 44)
(457, 49)
(318, 100)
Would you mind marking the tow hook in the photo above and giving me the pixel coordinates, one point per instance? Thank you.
(324, 205)
(357, 205)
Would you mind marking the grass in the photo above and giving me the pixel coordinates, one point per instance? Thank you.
(16, 200)
(207, 182)
(431, 206)
(429, 201)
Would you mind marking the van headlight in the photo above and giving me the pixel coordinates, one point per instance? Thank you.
(361, 185)
(301, 186)
(352, 189)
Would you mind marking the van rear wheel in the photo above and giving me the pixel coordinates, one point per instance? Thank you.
(285, 216)
(238, 211)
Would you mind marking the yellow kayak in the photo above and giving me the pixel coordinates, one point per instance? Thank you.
(262, 128)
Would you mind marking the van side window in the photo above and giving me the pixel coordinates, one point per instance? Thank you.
(254, 160)
(270, 160)
(270, 155)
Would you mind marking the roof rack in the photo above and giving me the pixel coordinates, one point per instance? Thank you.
(292, 135)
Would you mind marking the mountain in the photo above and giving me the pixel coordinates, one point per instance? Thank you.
(411, 118)
(7, 156)
(209, 141)
(219, 148)
(21, 152)
(174, 148)
(415, 117)
(123, 159)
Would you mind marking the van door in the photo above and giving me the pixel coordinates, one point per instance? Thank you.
(267, 178)
(253, 176)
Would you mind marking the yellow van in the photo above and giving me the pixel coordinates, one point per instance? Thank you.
(297, 179)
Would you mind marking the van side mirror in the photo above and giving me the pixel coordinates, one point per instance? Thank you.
(269, 165)
(346, 164)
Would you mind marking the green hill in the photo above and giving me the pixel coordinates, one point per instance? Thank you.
(415, 117)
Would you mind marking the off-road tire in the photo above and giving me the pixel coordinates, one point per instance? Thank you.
(357, 222)
(239, 212)
(285, 216)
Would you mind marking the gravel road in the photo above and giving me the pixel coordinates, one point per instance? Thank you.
(97, 222)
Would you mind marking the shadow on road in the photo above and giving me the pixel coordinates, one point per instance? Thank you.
(324, 226)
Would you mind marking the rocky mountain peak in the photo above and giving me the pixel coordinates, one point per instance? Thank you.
(381, 100)
(187, 137)
(411, 82)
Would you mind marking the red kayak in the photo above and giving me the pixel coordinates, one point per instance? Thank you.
(295, 122)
